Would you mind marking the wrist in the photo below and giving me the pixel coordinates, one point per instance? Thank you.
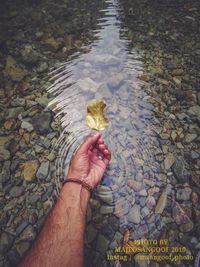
(74, 195)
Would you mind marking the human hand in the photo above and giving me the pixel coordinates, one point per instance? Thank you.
(90, 161)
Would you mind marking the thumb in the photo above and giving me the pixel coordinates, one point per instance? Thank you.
(89, 142)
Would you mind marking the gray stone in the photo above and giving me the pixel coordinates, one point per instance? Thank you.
(190, 137)
(42, 67)
(22, 247)
(195, 110)
(16, 191)
(41, 122)
(179, 169)
(106, 209)
(183, 194)
(21, 227)
(169, 161)
(105, 194)
(27, 126)
(6, 242)
(91, 233)
(4, 153)
(198, 98)
(27, 234)
(29, 55)
(134, 214)
(194, 155)
(43, 170)
(5, 173)
(14, 112)
(102, 244)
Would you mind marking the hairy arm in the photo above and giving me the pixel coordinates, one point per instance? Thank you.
(60, 242)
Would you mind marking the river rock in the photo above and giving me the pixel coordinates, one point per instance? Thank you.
(29, 55)
(195, 110)
(6, 242)
(16, 191)
(43, 170)
(41, 122)
(5, 172)
(134, 214)
(4, 153)
(169, 161)
(28, 233)
(15, 72)
(27, 126)
(22, 247)
(183, 193)
(105, 194)
(179, 169)
(91, 233)
(102, 243)
(187, 227)
(106, 209)
(42, 67)
(29, 169)
(161, 202)
(190, 137)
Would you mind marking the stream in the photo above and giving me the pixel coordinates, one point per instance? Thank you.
(137, 57)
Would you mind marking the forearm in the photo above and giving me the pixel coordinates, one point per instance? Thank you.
(60, 243)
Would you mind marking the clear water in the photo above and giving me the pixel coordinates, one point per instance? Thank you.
(140, 191)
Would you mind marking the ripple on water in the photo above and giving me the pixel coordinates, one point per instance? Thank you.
(131, 188)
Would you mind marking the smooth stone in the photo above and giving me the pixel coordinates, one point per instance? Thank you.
(194, 154)
(106, 209)
(150, 202)
(28, 234)
(102, 244)
(27, 126)
(22, 247)
(88, 84)
(91, 233)
(43, 170)
(179, 169)
(21, 227)
(14, 112)
(161, 203)
(42, 67)
(198, 98)
(41, 122)
(187, 227)
(29, 55)
(4, 154)
(5, 173)
(30, 169)
(195, 110)
(190, 137)
(169, 161)
(143, 193)
(43, 101)
(135, 185)
(16, 191)
(134, 214)
(105, 194)
(6, 242)
(15, 72)
(183, 194)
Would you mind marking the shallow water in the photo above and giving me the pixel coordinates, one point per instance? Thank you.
(142, 59)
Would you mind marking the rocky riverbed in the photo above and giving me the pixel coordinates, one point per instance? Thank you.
(160, 197)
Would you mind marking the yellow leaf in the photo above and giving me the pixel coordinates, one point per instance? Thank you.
(95, 118)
